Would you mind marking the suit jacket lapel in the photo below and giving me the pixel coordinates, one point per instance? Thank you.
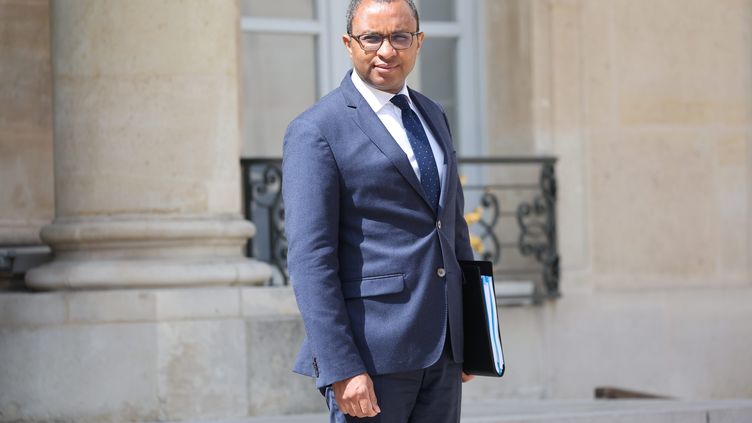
(435, 121)
(370, 124)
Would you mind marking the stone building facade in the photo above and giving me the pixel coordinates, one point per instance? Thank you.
(122, 124)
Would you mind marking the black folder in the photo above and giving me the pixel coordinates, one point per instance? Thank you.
(483, 353)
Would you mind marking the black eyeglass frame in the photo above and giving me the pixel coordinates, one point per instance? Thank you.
(384, 37)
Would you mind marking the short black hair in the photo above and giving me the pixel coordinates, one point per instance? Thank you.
(355, 3)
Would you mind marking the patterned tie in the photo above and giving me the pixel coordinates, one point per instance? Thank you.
(429, 174)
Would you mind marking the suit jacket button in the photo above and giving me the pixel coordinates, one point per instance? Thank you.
(441, 272)
(438, 224)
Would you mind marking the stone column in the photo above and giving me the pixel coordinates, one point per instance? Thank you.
(25, 122)
(146, 134)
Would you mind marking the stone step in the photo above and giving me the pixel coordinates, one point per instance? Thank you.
(573, 411)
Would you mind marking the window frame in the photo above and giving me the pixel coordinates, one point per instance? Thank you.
(317, 27)
(328, 26)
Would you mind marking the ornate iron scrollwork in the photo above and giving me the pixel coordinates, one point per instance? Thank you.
(486, 216)
(537, 223)
(265, 192)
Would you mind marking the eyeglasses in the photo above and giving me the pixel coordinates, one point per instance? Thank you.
(372, 42)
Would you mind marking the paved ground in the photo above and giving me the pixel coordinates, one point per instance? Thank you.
(575, 411)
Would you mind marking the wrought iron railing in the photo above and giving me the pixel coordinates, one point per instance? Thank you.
(510, 205)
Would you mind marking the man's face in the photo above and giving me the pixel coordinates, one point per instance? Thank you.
(385, 69)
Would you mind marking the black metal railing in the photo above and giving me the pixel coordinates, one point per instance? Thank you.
(510, 205)
(262, 204)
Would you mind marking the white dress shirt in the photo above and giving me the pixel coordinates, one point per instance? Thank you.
(391, 116)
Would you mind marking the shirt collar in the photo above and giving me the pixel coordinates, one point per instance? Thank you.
(376, 98)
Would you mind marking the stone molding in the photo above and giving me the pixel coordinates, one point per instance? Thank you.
(147, 251)
(21, 232)
(35, 310)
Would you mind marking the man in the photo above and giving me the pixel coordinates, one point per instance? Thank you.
(374, 219)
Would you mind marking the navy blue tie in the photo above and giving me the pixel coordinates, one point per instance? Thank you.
(429, 174)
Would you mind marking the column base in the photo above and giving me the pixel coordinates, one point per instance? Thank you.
(140, 252)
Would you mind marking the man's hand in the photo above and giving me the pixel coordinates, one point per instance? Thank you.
(356, 396)
(466, 377)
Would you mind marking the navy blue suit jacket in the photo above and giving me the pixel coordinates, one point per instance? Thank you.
(366, 248)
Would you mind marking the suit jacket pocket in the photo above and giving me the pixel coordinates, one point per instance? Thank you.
(372, 286)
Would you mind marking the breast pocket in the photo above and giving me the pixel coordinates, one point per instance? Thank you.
(374, 286)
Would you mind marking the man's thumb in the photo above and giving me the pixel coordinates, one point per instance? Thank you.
(374, 401)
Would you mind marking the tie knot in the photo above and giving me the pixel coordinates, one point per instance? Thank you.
(400, 100)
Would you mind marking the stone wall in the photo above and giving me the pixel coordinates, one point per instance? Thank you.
(648, 105)
(510, 77)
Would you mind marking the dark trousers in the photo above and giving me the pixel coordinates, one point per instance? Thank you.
(431, 395)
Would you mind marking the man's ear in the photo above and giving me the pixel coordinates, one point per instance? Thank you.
(347, 41)
(421, 36)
